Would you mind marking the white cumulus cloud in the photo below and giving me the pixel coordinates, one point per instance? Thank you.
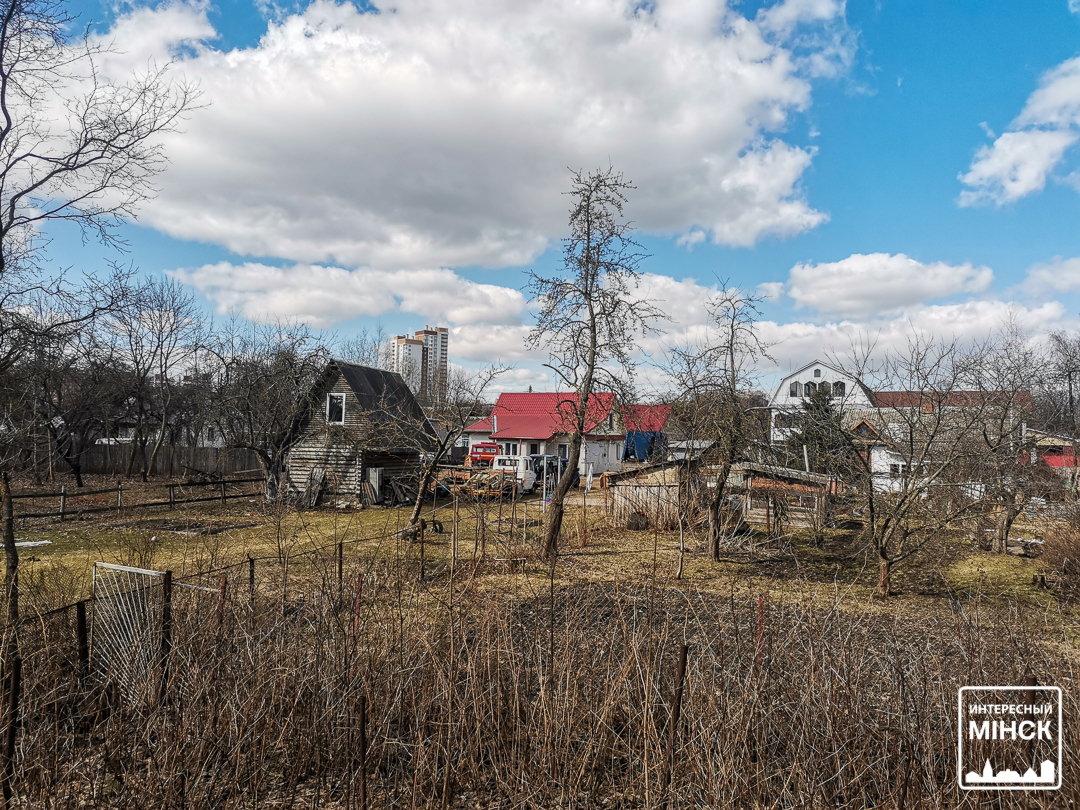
(1059, 275)
(322, 296)
(863, 285)
(438, 134)
(1020, 159)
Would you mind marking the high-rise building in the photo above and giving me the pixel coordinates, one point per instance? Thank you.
(423, 361)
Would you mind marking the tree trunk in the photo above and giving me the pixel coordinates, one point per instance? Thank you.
(715, 507)
(550, 548)
(1005, 521)
(157, 446)
(884, 576)
(11, 553)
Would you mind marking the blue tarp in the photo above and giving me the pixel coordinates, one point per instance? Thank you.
(642, 444)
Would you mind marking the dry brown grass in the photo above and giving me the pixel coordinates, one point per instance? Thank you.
(538, 688)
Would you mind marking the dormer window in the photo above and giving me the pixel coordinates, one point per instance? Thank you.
(335, 409)
(610, 422)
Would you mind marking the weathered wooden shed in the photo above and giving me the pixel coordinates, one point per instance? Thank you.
(363, 427)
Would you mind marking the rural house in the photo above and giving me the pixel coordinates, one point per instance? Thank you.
(528, 424)
(364, 427)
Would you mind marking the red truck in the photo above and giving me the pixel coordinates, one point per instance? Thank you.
(481, 455)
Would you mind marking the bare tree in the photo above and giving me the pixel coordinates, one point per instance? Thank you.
(367, 348)
(590, 315)
(915, 458)
(262, 378)
(435, 432)
(74, 145)
(713, 380)
(157, 337)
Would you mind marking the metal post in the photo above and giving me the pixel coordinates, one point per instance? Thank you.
(82, 639)
(222, 590)
(363, 752)
(454, 538)
(14, 691)
(421, 535)
(63, 501)
(119, 495)
(166, 630)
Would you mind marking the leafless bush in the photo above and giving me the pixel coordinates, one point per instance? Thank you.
(479, 695)
(1061, 552)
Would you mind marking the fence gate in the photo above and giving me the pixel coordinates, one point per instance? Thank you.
(131, 629)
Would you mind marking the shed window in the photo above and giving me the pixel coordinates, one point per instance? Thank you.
(564, 451)
(335, 409)
(794, 390)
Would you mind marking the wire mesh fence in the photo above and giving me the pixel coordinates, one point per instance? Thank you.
(494, 692)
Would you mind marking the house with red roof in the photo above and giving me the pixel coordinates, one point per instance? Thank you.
(541, 423)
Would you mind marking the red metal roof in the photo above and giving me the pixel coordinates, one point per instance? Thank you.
(646, 418)
(541, 415)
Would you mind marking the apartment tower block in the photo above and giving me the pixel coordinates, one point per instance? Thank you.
(422, 360)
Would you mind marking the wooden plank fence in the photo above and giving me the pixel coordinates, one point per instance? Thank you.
(171, 461)
(659, 503)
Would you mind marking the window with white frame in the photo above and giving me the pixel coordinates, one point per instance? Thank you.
(335, 409)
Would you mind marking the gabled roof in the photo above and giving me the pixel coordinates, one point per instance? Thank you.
(646, 418)
(846, 374)
(540, 415)
(382, 394)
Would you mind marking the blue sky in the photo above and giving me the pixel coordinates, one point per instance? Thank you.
(871, 167)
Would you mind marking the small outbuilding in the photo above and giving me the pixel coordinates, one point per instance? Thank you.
(362, 437)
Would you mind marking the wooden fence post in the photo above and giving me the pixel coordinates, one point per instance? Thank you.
(676, 713)
(340, 567)
(82, 638)
(172, 496)
(251, 578)
(119, 495)
(223, 491)
(166, 631)
(63, 501)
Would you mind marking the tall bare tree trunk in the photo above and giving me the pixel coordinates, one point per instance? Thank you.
(553, 526)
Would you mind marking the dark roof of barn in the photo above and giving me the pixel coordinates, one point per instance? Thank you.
(381, 392)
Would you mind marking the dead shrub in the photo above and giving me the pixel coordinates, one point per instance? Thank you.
(1061, 553)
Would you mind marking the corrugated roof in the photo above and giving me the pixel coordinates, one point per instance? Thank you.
(646, 418)
(950, 399)
(541, 415)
